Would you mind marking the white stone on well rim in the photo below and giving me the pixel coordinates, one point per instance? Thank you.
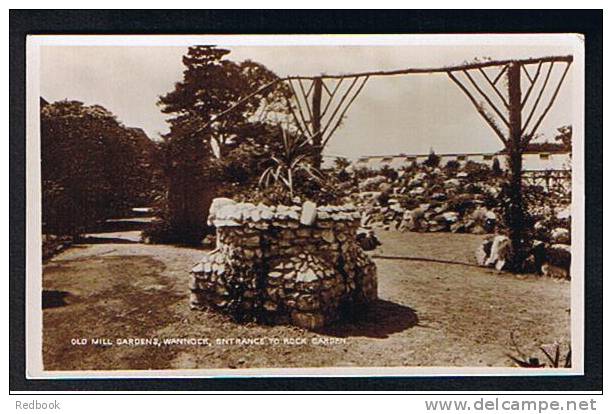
(309, 213)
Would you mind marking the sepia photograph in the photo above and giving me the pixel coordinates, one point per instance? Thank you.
(250, 205)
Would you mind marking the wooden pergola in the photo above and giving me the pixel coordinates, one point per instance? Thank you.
(319, 103)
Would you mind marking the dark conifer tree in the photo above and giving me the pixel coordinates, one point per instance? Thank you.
(211, 84)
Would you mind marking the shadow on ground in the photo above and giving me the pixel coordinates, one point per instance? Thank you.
(103, 240)
(424, 259)
(54, 298)
(115, 231)
(119, 225)
(381, 319)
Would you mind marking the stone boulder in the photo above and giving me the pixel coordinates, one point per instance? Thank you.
(558, 261)
(411, 220)
(309, 213)
(435, 226)
(458, 227)
(372, 183)
(417, 191)
(483, 251)
(494, 252)
(536, 257)
(367, 240)
(438, 196)
(415, 182)
(450, 216)
(484, 219)
(220, 202)
(560, 235)
(555, 272)
(452, 182)
(564, 214)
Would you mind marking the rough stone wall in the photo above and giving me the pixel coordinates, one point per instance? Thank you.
(297, 264)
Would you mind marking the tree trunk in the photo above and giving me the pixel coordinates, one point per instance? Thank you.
(316, 122)
(189, 200)
(515, 214)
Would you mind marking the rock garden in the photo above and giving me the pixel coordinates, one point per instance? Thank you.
(467, 198)
(249, 236)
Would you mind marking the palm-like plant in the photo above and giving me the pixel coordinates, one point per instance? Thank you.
(294, 157)
(341, 163)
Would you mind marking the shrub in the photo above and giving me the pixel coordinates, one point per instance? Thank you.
(383, 197)
(340, 169)
(343, 175)
(389, 173)
(432, 160)
(461, 203)
(556, 359)
(363, 173)
(477, 171)
(52, 245)
(208, 156)
(496, 168)
(409, 169)
(167, 231)
(409, 203)
(93, 167)
(452, 165)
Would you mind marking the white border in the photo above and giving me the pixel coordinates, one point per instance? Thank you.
(34, 368)
(544, 39)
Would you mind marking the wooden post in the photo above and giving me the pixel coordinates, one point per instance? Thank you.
(316, 121)
(515, 214)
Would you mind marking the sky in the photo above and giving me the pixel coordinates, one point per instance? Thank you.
(401, 114)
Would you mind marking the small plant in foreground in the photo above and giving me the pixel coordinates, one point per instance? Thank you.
(554, 361)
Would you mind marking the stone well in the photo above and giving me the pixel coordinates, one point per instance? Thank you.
(284, 264)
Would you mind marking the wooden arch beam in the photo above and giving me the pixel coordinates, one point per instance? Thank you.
(305, 124)
(479, 108)
(528, 137)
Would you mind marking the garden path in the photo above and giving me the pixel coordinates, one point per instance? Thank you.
(440, 311)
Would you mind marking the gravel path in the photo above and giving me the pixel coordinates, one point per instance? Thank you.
(436, 308)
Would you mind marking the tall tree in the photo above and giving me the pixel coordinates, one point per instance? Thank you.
(211, 84)
(564, 136)
(92, 167)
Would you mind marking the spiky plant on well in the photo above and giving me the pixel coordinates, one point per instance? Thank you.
(293, 159)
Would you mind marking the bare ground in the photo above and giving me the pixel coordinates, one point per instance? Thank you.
(436, 308)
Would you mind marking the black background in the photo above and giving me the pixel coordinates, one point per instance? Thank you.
(589, 23)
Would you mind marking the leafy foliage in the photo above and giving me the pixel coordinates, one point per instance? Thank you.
(496, 167)
(93, 167)
(292, 163)
(564, 136)
(389, 173)
(341, 163)
(478, 171)
(554, 359)
(452, 165)
(433, 160)
(341, 169)
(362, 173)
(203, 151)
